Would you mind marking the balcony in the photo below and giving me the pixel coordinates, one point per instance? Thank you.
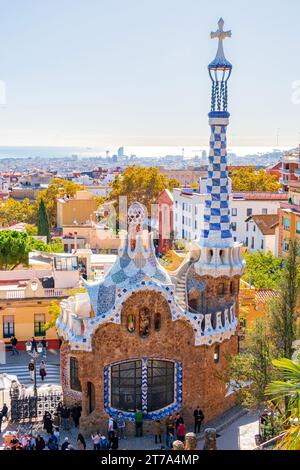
(285, 171)
(23, 293)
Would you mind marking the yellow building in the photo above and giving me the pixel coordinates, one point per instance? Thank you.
(253, 304)
(24, 312)
(289, 219)
(77, 210)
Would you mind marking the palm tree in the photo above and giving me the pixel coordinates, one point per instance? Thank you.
(288, 388)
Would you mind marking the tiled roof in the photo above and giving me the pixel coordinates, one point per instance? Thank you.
(266, 223)
(264, 295)
(253, 196)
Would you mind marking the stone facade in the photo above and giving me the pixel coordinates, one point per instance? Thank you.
(174, 341)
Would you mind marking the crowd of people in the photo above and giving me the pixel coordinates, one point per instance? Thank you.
(172, 434)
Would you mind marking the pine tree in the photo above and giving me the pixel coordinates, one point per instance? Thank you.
(43, 221)
(283, 310)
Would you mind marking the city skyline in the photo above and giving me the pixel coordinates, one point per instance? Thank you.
(82, 84)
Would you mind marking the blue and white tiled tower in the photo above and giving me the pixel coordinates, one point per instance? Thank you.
(218, 249)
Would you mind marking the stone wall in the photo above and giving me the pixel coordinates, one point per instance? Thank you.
(174, 341)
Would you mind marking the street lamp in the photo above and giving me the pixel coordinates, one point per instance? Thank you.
(34, 354)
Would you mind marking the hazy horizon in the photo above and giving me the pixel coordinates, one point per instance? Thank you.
(14, 151)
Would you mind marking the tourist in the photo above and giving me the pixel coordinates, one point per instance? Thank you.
(181, 432)
(48, 426)
(24, 440)
(44, 345)
(170, 425)
(190, 441)
(57, 435)
(4, 411)
(65, 444)
(158, 431)
(81, 444)
(104, 445)
(27, 445)
(199, 417)
(76, 413)
(65, 418)
(178, 420)
(139, 417)
(56, 420)
(121, 423)
(22, 391)
(31, 442)
(14, 343)
(39, 443)
(113, 440)
(31, 368)
(96, 438)
(178, 445)
(52, 442)
(43, 371)
(170, 440)
(33, 345)
(59, 407)
(1, 418)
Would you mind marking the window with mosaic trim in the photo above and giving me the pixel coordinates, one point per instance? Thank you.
(160, 384)
(126, 385)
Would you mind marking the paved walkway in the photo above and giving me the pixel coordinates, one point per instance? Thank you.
(18, 365)
(239, 435)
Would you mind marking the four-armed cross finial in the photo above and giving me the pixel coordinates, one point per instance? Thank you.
(221, 35)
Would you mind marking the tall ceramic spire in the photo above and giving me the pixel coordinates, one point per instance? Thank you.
(217, 230)
(220, 255)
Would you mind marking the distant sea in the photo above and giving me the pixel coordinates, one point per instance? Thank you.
(48, 152)
(150, 151)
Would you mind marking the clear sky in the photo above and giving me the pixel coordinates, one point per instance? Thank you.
(134, 72)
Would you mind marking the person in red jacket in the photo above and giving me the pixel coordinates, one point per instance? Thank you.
(181, 432)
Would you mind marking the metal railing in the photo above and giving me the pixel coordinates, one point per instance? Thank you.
(21, 294)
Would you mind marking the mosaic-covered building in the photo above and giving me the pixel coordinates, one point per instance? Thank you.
(143, 338)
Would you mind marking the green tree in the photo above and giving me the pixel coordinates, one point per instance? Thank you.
(141, 184)
(252, 371)
(14, 212)
(263, 270)
(54, 313)
(31, 230)
(57, 188)
(248, 179)
(284, 308)
(55, 247)
(14, 249)
(287, 385)
(43, 221)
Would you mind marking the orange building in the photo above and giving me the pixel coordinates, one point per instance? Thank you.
(77, 210)
(289, 219)
(253, 304)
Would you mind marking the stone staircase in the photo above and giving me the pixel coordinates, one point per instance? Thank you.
(180, 293)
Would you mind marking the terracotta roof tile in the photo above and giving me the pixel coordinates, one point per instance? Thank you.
(266, 223)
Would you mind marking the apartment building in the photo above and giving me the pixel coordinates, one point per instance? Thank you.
(189, 209)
